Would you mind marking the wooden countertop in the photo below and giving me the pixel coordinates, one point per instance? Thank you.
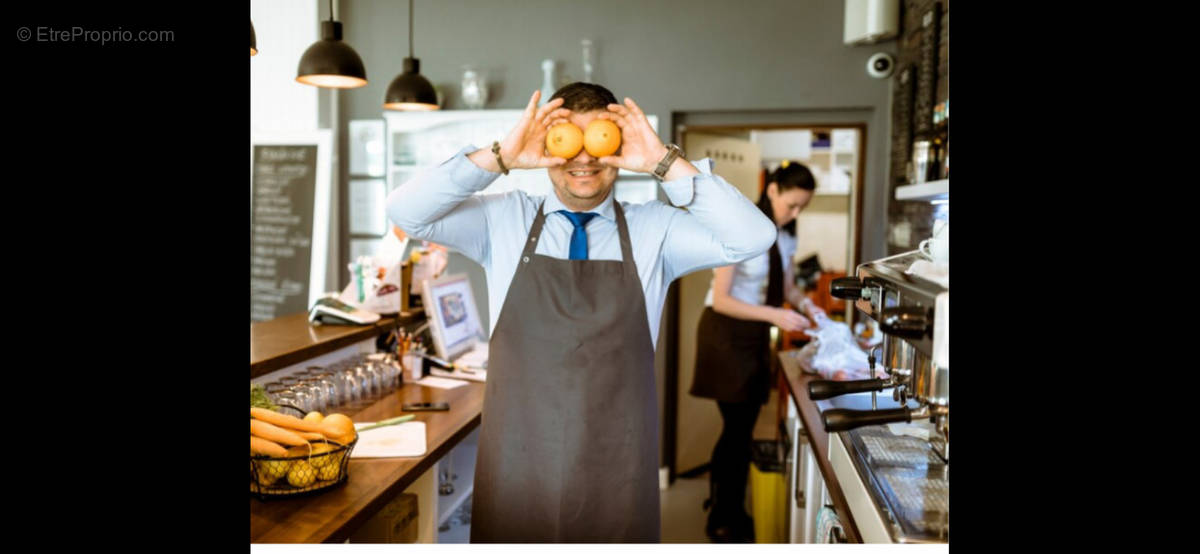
(291, 339)
(796, 382)
(334, 515)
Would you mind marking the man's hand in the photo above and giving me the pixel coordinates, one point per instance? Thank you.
(525, 145)
(641, 149)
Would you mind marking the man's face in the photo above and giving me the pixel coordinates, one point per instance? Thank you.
(583, 179)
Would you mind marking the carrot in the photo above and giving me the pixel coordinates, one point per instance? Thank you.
(284, 420)
(264, 446)
(311, 436)
(275, 434)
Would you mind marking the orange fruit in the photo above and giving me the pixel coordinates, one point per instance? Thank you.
(564, 140)
(602, 138)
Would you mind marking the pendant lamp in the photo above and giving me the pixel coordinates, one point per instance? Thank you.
(329, 62)
(410, 91)
(253, 40)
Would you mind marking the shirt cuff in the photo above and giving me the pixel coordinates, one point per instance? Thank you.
(464, 172)
(681, 191)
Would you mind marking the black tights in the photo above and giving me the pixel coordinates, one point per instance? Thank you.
(730, 465)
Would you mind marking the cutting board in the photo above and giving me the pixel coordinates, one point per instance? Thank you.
(395, 441)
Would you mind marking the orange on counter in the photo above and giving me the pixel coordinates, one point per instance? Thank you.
(564, 140)
(602, 138)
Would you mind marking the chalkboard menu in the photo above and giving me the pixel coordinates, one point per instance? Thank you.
(283, 187)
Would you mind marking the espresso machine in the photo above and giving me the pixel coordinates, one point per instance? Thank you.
(913, 314)
(896, 478)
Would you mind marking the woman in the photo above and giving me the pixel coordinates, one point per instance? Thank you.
(733, 347)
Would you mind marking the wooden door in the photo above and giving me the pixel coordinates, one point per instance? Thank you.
(739, 162)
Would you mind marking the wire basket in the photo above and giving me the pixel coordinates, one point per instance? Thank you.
(302, 474)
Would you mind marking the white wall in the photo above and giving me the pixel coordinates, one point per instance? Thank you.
(284, 30)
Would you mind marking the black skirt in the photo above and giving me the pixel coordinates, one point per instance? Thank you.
(732, 359)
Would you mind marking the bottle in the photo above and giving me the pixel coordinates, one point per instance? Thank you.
(547, 81)
(474, 88)
(588, 66)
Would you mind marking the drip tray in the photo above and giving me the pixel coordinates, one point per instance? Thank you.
(907, 479)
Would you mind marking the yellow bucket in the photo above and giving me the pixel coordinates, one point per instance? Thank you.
(768, 501)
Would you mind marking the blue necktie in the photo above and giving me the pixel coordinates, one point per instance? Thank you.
(579, 236)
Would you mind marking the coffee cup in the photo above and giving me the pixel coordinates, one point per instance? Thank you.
(937, 249)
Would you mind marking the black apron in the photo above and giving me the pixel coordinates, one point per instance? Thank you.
(568, 445)
(733, 356)
(732, 359)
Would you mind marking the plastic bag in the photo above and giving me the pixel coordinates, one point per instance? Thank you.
(837, 355)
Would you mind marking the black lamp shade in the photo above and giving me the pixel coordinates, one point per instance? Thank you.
(410, 91)
(253, 40)
(331, 63)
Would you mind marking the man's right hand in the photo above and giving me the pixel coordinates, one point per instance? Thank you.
(525, 145)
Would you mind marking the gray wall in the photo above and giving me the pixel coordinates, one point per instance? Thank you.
(707, 61)
(670, 56)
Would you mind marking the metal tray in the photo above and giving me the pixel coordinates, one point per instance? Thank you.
(908, 480)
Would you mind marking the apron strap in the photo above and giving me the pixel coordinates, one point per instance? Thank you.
(535, 231)
(623, 231)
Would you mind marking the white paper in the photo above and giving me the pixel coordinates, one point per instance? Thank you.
(401, 440)
(440, 383)
(475, 375)
(476, 358)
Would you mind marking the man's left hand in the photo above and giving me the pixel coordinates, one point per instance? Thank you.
(641, 149)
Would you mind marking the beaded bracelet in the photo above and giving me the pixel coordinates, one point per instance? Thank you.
(496, 151)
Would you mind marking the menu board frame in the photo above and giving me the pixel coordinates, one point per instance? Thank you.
(322, 199)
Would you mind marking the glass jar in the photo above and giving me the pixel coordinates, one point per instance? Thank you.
(474, 88)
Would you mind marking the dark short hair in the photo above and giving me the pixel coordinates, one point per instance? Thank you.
(584, 97)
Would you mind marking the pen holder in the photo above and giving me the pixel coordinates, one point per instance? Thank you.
(414, 366)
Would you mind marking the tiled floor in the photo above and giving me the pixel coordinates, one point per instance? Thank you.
(683, 516)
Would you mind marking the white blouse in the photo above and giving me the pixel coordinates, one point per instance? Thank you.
(750, 277)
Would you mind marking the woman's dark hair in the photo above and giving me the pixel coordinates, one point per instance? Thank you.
(584, 97)
(794, 176)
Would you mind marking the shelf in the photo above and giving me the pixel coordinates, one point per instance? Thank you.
(925, 192)
(462, 459)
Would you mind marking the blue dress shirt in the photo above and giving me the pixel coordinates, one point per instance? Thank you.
(720, 226)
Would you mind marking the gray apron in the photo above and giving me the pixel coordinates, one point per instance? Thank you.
(568, 443)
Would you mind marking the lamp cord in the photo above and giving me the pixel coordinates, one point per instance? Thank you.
(410, 28)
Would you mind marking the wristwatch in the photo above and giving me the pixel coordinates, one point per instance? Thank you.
(673, 152)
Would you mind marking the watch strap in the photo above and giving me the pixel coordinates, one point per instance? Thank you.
(673, 152)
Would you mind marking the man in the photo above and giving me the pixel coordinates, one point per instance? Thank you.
(568, 445)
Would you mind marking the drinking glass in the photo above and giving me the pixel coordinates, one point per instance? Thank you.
(304, 399)
(289, 381)
(351, 385)
(287, 398)
(367, 378)
(273, 390)
(317, 390)
(328, 380)
(391, 373)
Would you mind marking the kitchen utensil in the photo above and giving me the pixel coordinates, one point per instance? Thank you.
(387, 422)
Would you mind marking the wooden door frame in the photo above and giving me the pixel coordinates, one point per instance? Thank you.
(671, 377)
